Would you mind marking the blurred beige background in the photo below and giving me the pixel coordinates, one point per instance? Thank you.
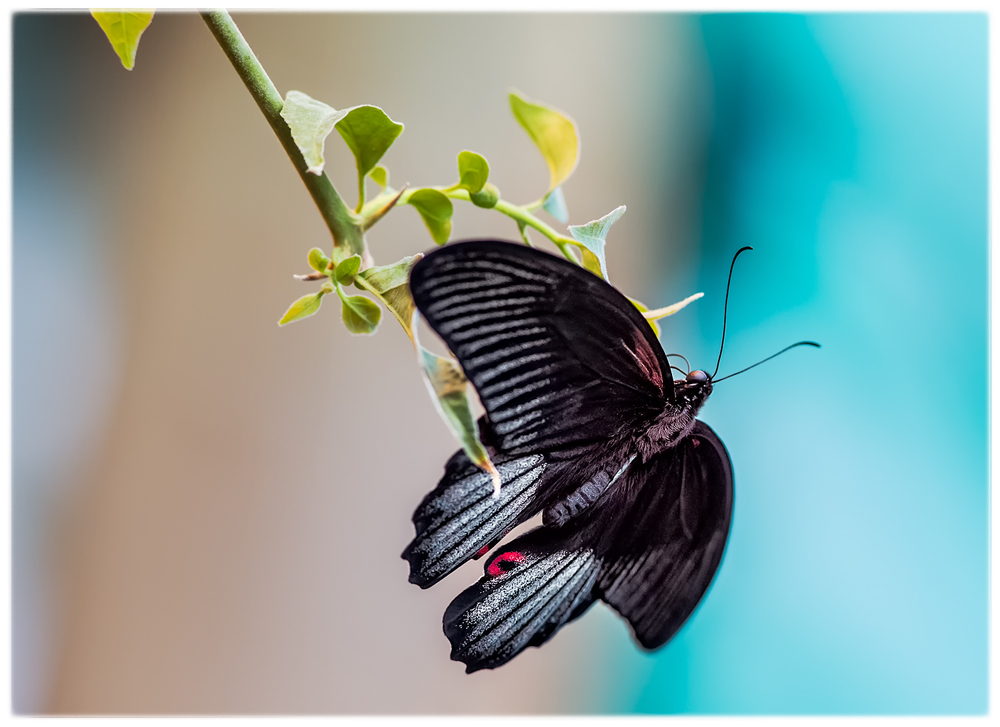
(209, 510)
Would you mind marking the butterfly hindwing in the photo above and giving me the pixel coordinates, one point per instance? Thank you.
(649, 547)
(531, 588)
(674, 520)
(557, 356)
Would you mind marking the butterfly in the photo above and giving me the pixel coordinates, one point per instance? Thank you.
(585, 424)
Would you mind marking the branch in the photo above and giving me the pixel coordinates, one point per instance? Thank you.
(515, 212)
(343, 224)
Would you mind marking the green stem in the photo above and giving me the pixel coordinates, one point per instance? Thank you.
(361, 192)
(343, 224)
(515, 212)
(340, 291)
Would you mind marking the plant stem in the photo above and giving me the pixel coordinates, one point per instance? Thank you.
(523, 229)
(515, 212)
(343, 224)
(523, 216)
(361, 192)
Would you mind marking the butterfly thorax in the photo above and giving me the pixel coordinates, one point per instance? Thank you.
(677, 418)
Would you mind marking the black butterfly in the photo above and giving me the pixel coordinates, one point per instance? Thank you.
(584, 423)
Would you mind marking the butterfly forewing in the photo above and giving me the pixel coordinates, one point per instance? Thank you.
(556, 354)
(461, 516)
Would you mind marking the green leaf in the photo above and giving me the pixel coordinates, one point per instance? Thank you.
(555, 205)
(318, 260)
(390, 284)
(124, 28)
(553, 133)
(369, 133)
(347, 270)
(310, 121)
(304, 307)
(652, 316)
(360, 314)
(436, 209)
(473, 171)
(449, 391)
(487, 197)
(642, 309)
(591, 237)
(380, 175)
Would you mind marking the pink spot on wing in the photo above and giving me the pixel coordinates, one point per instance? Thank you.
(481, 552)
(501, 564)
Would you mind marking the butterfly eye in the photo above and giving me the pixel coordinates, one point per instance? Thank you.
(697, 377)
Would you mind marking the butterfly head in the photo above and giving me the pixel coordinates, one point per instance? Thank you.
(694, 388)
(697, 377)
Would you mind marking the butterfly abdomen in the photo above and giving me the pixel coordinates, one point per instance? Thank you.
(583, 496)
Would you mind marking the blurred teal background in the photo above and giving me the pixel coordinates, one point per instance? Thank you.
(182, 542)
(851, 152)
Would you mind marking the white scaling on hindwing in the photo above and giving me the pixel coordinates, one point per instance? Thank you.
(538, 593)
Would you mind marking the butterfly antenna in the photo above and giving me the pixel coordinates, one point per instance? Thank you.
(685, 361)
(800, 343)
(725, 308)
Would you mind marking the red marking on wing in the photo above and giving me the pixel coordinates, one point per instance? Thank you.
(497, 567)
(481, 552)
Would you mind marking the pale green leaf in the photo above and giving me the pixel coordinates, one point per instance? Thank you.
(318, 260)
(553, 133)
(369, 133)
(390, 284)
(310, 122)
(347, 270)
(304, 307)
(642, 309)
(380, 175)
(591, 238)
(449, 391)
(123, 29)
(487, 197)
(473, 171)
(360, 314)
(555, 205)
(652, 316)
(436, 210)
